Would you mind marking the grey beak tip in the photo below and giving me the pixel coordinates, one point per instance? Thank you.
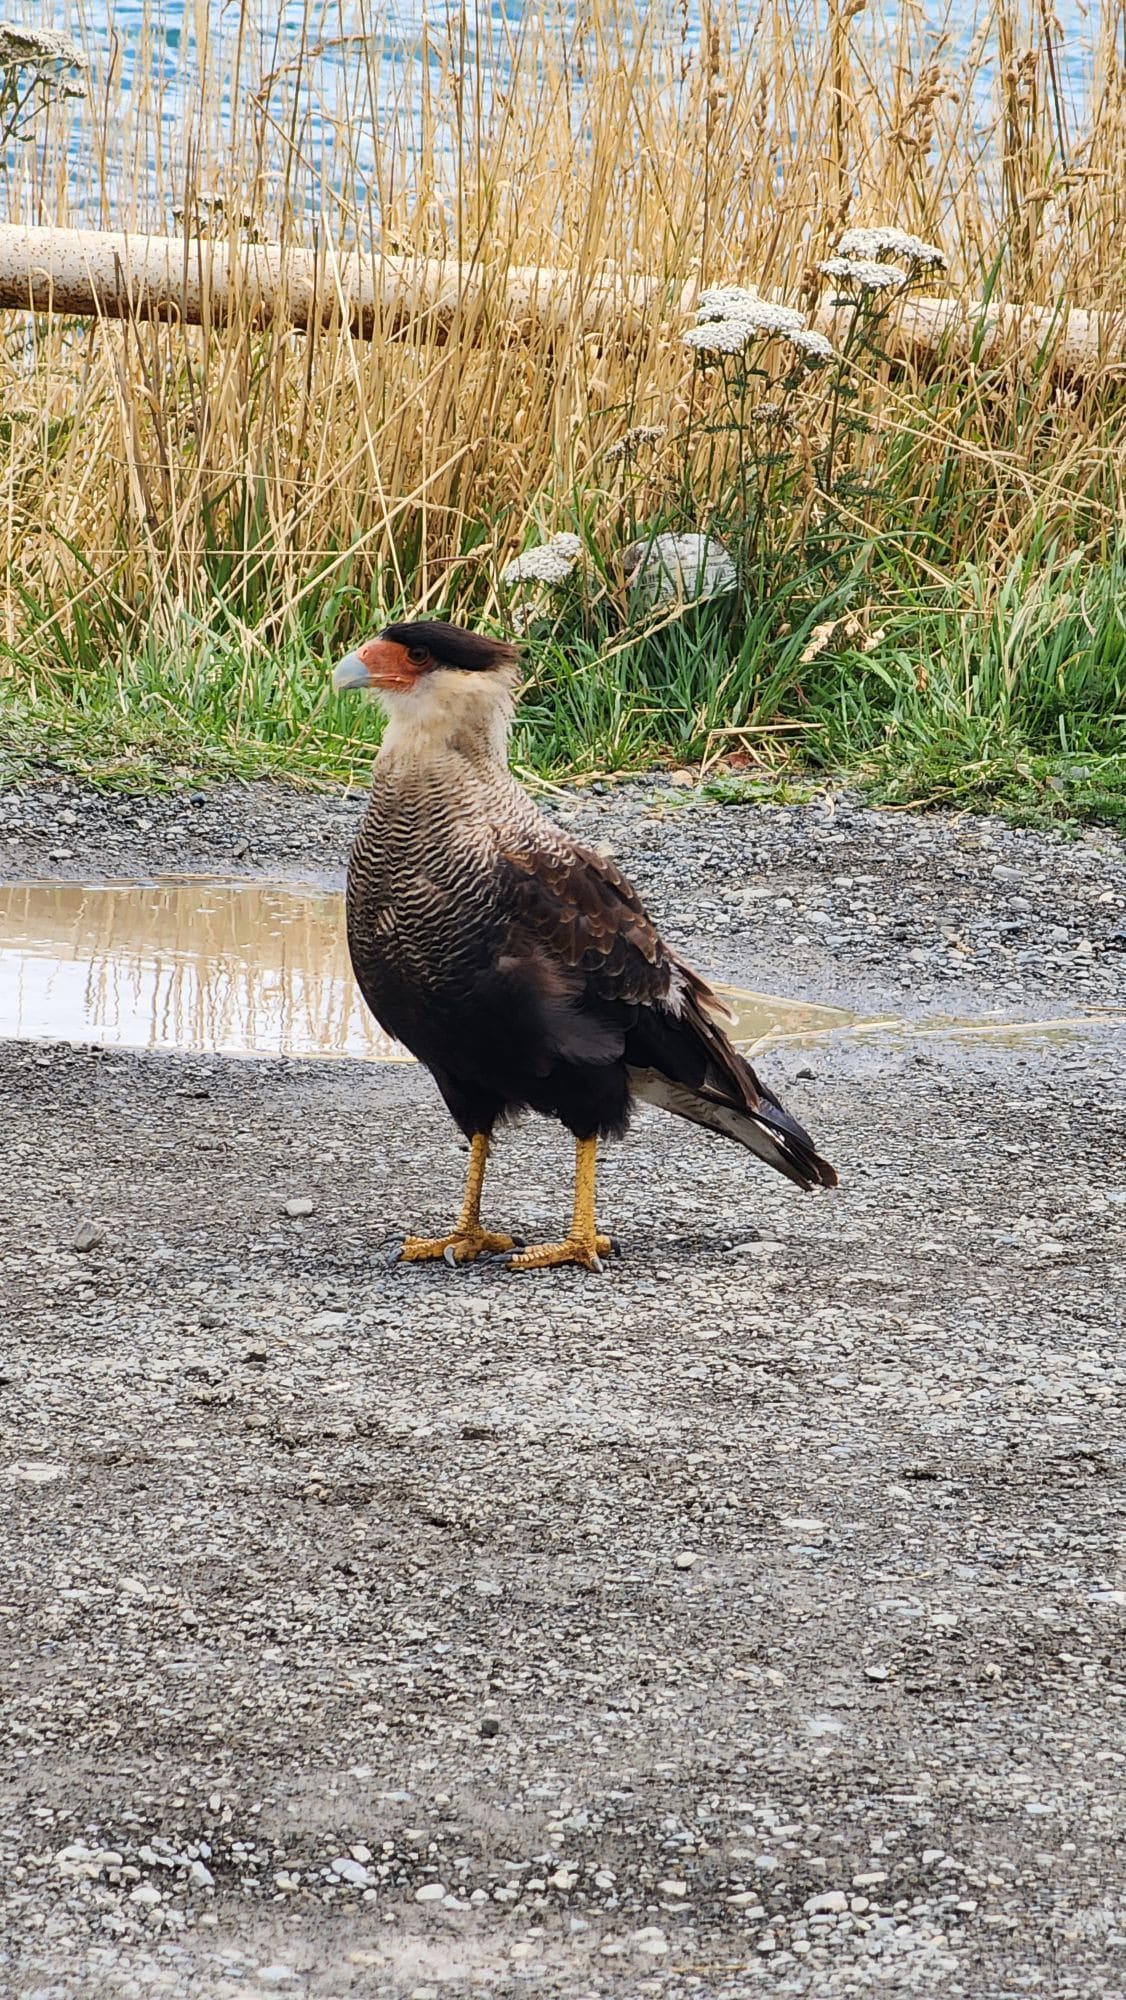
(350, 673)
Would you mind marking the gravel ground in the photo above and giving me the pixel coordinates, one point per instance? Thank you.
(748, 1620)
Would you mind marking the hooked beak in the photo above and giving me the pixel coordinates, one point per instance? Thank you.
(351, 673)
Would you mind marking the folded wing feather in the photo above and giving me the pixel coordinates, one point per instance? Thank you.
(610, 987)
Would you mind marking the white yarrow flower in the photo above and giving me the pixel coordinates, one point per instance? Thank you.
(548, 562)
(721, 336)
(725, 301)
(864, 272)
(35, 47)
(729, 317)
(888, 241)
(635, 440)
(737, 302)
(679, 566)
(813, 347)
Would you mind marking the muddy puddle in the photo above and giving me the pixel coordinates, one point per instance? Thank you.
(240, 968)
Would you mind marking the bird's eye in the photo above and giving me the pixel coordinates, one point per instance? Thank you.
(417, 655)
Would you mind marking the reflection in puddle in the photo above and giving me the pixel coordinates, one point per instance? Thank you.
(182, 964)
(256, 968)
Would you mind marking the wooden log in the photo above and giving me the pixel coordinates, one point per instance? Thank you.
(209, 281)
(1077, 342)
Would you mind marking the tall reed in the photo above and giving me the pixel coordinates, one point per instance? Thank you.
(196, 498)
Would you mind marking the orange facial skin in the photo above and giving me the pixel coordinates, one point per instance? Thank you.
(390, 665)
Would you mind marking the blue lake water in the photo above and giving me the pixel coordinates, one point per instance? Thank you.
(157, 53)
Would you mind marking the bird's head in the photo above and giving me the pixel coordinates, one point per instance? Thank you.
(443, 660)
(444, 691)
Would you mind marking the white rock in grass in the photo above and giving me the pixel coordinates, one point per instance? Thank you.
(679, 566)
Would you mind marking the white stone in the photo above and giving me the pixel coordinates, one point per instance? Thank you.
(145, 1896)
(673, 1887)
(651, 1940)
(77, 1860)
(831, 1903)
(351, 1871)
(430, 1892)
(673, 567)
(299, 1204)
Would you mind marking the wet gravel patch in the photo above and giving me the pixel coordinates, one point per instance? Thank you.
(748, 1620)
(830, 900)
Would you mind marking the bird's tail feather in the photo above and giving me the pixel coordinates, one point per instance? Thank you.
(684, 1062)
(769, 1131)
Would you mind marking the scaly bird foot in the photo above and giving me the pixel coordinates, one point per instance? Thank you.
(585, 1251)
(459, 1248)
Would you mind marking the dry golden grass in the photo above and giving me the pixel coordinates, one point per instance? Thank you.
(161, 463)
(158, 477)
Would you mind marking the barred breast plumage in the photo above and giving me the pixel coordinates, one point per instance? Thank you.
(423, 900)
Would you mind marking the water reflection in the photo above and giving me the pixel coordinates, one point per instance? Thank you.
(182, 964)
(236, 967)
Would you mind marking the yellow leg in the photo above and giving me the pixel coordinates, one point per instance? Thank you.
(584, 1245)
(467, 1239)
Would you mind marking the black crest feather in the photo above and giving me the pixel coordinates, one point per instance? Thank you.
(453, 646)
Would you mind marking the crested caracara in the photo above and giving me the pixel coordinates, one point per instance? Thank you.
(519, 967)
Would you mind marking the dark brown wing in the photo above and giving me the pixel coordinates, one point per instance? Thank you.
(578, 924)
(574, 906)
(579, 909)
